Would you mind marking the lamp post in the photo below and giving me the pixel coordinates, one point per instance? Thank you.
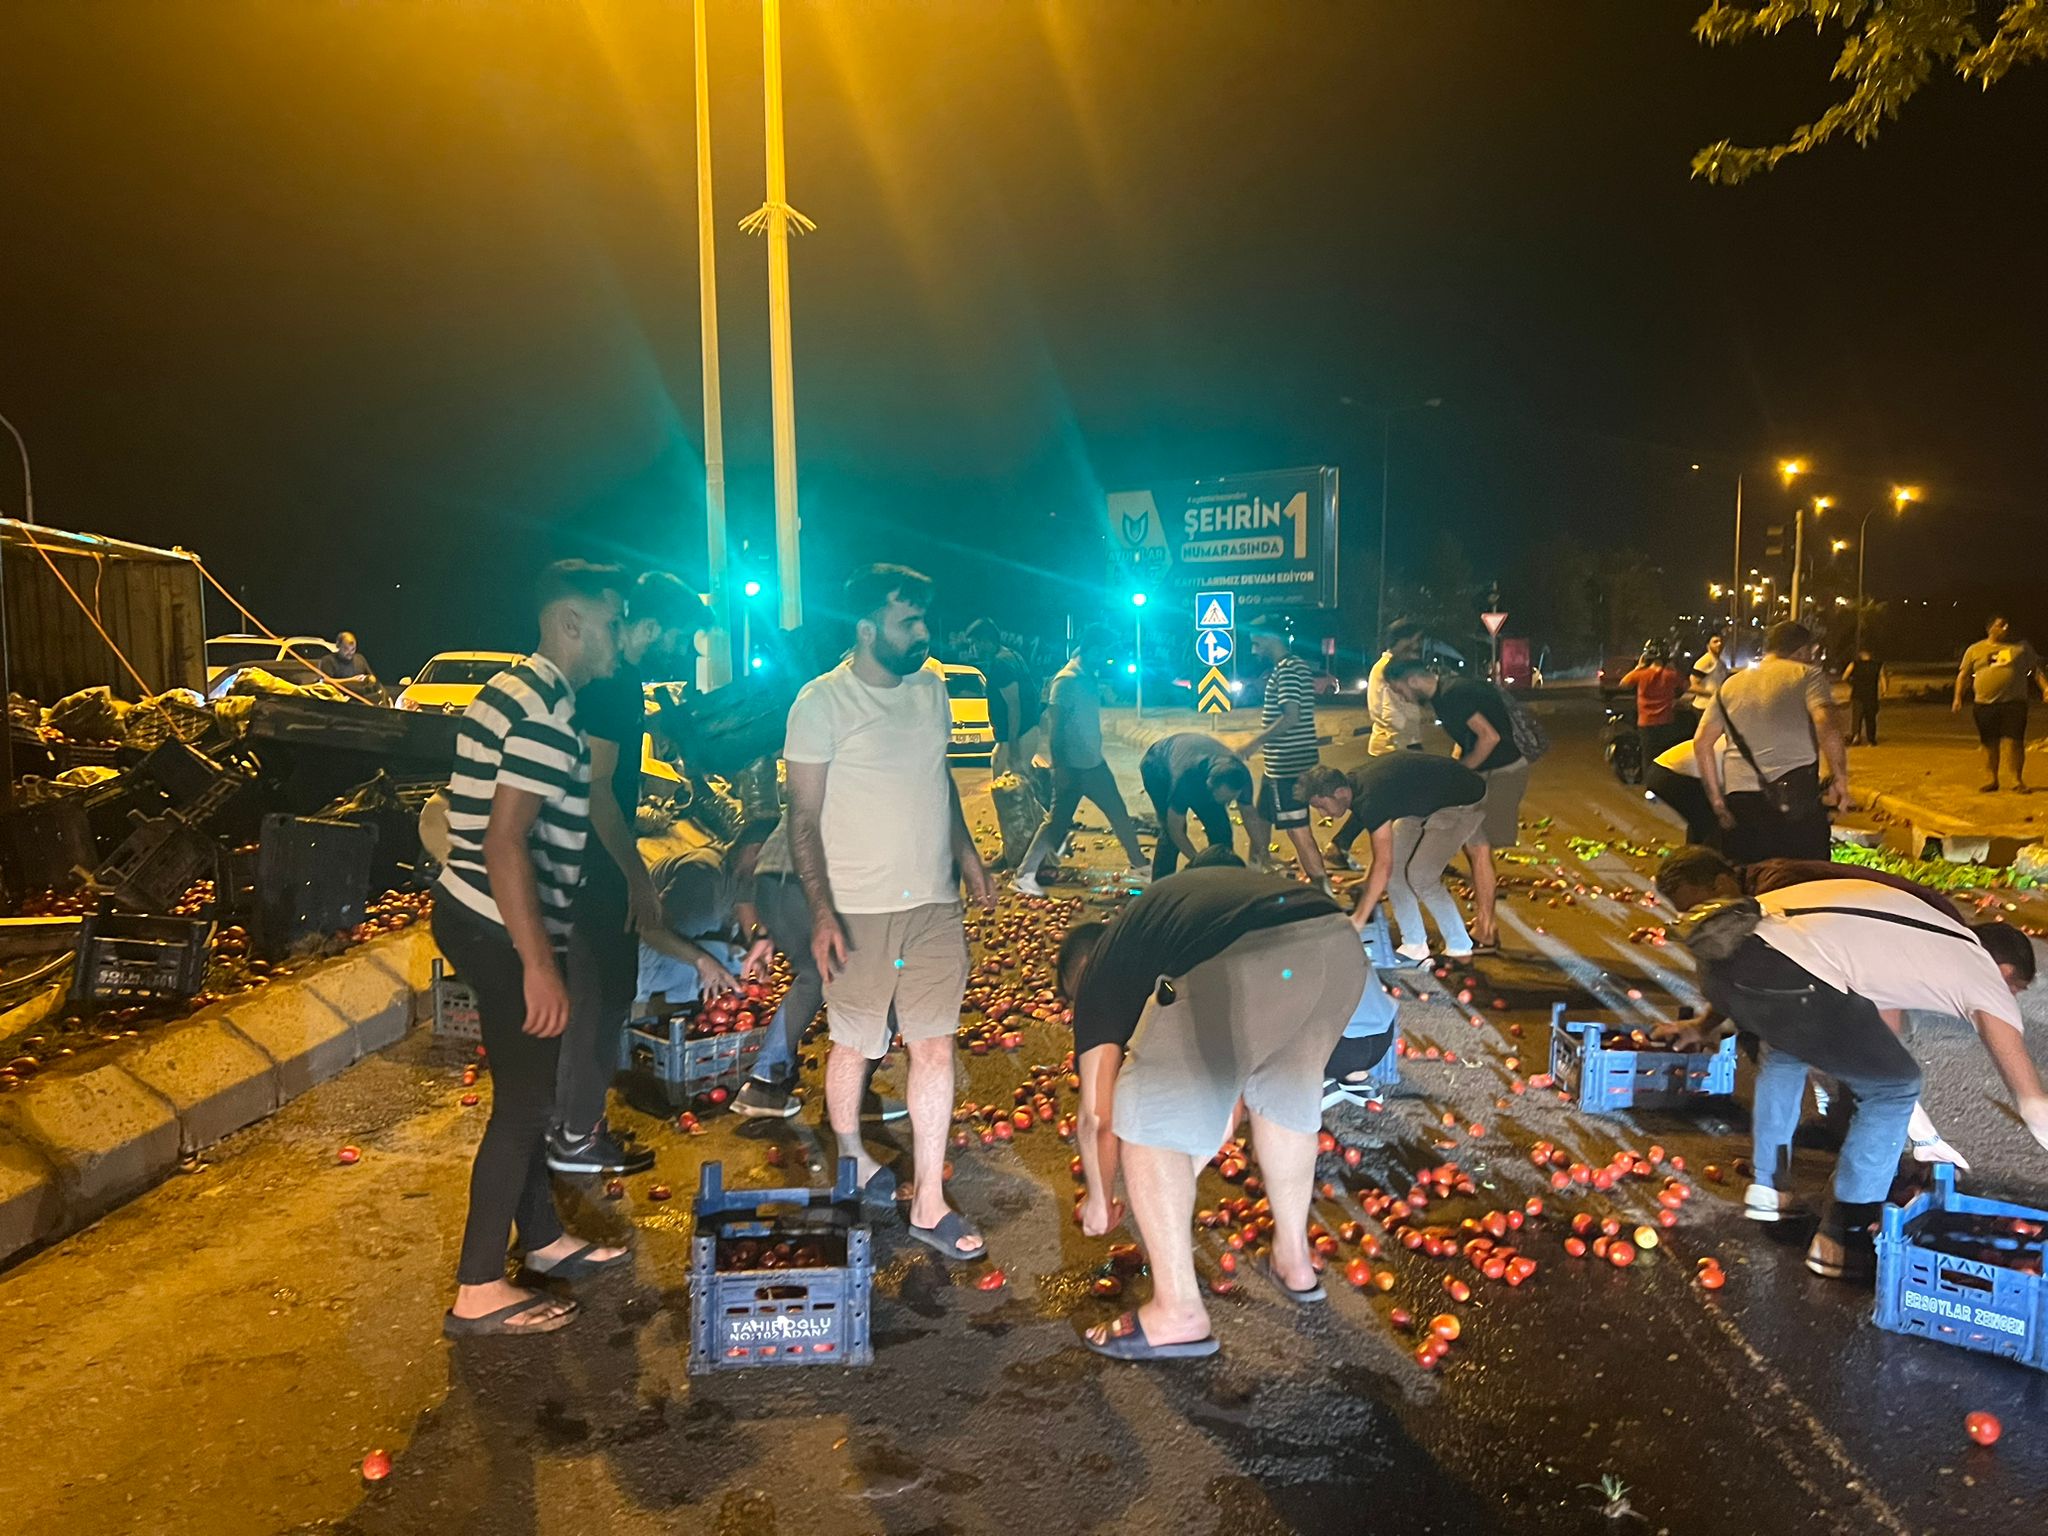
(1138, 620)
(1902, 497)
(720, 638)
(28, 483)
(751, 590)
(1788, 471)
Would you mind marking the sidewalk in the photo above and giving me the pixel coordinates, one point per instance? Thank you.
(1927, 772)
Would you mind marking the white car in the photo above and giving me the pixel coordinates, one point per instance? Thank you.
(450, 681)
(294, 658)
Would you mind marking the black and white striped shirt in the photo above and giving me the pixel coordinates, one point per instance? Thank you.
(1291, 752)
(520, 733)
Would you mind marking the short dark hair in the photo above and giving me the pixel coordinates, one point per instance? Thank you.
(1094, 636)
(1076, 948)
(1231, 773)
(984, 631)
(1691, 865)
(1216, 856)
(1786, 637)
(1269, 624)
(1321, 782)
(667, 599)
(2008, 946)
(577, 581)
(1403, 629)
(1402, 668)
(873, 587)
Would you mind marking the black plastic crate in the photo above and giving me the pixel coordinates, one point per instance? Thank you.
(158, 863)
(312, 880)
(198, 784)
(45, 847)
(125, 958)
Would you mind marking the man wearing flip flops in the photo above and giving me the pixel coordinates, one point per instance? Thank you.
(882, 848)
(1216, 985)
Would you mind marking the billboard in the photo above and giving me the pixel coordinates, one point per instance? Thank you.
(1270, 537)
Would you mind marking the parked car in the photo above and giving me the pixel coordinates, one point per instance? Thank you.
(974, 734)
(449, 682)
(293, 658)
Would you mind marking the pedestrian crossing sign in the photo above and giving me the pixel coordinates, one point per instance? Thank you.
(1215, 610)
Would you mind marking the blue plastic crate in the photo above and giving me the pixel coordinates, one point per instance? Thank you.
(685, 1067)
(1992, 1308)
(1607, 1081)
(813, 1315)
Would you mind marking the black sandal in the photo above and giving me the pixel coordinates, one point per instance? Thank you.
(500, 1322)
(579, 1265)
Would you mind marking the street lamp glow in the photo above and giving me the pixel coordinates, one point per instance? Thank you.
(1822, 503)
(1902, 494)
(1137, 599)
(752, 589)
(1838, 545)
(1791, 469)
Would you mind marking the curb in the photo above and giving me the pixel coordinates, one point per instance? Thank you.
(74, 1145)
(1897, 808)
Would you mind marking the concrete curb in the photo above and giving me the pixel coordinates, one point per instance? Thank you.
(1890, 807)
(76, 1144)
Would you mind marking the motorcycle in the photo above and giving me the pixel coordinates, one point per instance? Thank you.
(1621, 743)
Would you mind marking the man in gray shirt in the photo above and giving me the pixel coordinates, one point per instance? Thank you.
(1074, 731)
(1778, 721)
(2001, 673)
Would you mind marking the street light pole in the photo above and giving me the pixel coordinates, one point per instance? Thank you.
(1138, 616)
(774, 218)
(1902, 496)
(1735, 580)
(28, 483)
(719, 640)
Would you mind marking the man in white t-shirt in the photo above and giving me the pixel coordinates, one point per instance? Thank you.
(1822, 983)
(882, 848)
(1777, 722)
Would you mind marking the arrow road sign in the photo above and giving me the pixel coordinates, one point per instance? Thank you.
(1213, 647)
(1215, 610)
(1214, 693)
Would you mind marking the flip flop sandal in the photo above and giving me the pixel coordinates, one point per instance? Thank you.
(500, 1322)
(578, 1265)
(880, 1191)
(1314, 1293)
(1127, 1341)
(945, 1238)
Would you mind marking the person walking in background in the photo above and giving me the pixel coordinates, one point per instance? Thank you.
(1079, 772)
(1014, 707)
(1865, 677)
(1708, 673)
(1475, 716)
(1190, 772)
(618, 902)
(1396, 721)
(2001, 673)
(1287, 741)
(883, 849)
(1657, 684)
(518, 822)
(1779, 718)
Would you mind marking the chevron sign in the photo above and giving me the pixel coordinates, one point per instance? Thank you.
(1213, 693)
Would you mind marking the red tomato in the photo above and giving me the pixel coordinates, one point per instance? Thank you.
(377, 1465)
(1983, 1428)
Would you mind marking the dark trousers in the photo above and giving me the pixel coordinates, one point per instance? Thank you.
(1863, 720)
(1687, 797)
(509, 1181)
(787, 917)
(1762, 833)
(1215, 820)
(1659, 739)
(604, 973)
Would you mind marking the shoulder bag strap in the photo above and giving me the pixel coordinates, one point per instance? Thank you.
(1880, 917)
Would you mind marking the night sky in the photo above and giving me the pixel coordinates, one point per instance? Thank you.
(378, 305)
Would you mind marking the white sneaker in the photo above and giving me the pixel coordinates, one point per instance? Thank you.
(1762, 1203)
(1414, 954)
(1027, 885)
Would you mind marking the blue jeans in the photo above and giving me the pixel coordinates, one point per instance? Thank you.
(677, 979)
(1881, 1108)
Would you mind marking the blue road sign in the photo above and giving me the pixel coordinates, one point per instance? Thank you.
(1215, 610)
(1213, 647)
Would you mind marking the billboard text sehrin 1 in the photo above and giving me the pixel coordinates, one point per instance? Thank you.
(1269, 537)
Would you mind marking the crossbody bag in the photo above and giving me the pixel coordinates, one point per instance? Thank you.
(1791, 792)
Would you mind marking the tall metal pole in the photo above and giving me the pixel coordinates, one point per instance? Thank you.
(1735, 582)
(1798, 557)
(1139, 611)
(28, 481)
(774, 218)
(719, 641)
(1862, 538)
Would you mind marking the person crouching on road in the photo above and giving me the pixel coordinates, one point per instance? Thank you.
(1190, 772)
(1819, 972)
(1216, 984)
(518, 829)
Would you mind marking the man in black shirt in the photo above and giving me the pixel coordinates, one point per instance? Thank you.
(1014, 707)
(1191, 772)
(618, 901)
(1221, 984)
(1475, 716)
(1420, 810)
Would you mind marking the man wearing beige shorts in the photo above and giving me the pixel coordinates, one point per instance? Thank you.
(882, 848)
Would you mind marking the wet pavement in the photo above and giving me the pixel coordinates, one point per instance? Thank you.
(220, 1355)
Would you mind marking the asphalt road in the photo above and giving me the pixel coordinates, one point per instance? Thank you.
(219, 1356)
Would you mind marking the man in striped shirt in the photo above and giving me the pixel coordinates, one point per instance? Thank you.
(1288, 739)
(518, 823)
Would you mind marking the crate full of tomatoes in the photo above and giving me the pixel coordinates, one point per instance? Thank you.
(1965, 1271)
(779, 1277)
(1609, 1067)
(701, 1046)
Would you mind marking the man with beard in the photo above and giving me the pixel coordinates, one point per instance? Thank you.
(882, 847)
(618, 901)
